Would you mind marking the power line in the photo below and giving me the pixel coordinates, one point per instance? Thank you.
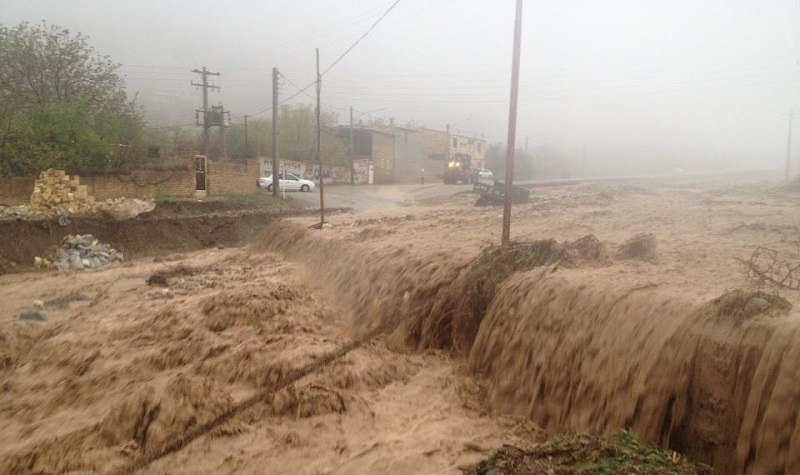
(361, 38)
(302, 90)
(173, 126)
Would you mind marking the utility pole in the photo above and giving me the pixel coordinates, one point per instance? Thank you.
(204, 74)
(223, 136)
(447, 145)
(276, 179)
(789, 146)
(512, 127)
(319, 153)
(245, 136)
(352, 151)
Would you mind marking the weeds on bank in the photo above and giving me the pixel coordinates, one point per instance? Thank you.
(167, 198)
(610, 454)
(258, 200)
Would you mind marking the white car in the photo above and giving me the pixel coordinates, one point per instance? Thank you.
(485, 174)
(289, 182)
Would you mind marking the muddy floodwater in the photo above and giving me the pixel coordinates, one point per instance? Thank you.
(404, 340)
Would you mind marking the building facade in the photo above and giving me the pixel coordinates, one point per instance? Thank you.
(407, 155)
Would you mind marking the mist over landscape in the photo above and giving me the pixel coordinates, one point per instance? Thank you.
(615, 88)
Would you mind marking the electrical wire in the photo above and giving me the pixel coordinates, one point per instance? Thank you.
(361, 38)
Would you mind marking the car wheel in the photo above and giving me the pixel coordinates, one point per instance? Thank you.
(304, 188)
(269, 187)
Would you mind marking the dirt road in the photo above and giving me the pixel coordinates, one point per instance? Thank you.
(355, 349)
(377, 197)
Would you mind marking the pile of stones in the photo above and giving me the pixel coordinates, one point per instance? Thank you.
(84, 252)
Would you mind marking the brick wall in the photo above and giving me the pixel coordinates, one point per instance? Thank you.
(141, 184)
(16, 190)
(232, 177)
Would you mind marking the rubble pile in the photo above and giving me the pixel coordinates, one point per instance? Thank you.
(55, 189)
(84, 252)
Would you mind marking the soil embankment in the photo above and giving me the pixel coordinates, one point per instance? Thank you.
(171, 227)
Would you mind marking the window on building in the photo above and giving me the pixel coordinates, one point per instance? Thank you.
(479, 146)
(455, 142)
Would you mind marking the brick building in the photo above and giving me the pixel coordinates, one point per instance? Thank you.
(404, 155)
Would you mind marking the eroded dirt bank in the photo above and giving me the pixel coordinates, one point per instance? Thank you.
(172, 227)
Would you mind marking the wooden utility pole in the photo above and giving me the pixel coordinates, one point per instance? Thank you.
(352, 151)
(223, 135)
(512, 128)
(276, 180)
(204, 74)
(245, 137)
(789, 146)
(319, 152)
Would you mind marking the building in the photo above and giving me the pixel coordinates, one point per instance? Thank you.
(439, 145)
(373, 154)
(407, 155)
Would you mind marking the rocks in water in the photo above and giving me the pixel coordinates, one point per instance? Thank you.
(33, 314)
(83, 251)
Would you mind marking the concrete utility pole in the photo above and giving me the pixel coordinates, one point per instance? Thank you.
(319, 152)
(789, 146)
(276, 180)
(204, 74)
(512, 127)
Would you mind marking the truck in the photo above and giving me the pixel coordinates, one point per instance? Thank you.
(458, 168)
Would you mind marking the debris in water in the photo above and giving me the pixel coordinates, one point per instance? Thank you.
(157, 279)
(35, 313)
(620, 452)
(641, 247)
(740, 305)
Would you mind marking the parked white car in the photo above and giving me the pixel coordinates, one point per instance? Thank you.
(485, 174)
(289, 182)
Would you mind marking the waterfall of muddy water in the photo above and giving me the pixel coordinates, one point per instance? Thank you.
(575, 354)
(578, 355)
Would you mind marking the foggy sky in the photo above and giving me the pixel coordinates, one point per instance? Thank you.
(643, 86)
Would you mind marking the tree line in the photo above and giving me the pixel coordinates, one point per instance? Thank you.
(63, 105)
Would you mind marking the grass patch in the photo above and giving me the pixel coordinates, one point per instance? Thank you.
(618, 453)
(258, 200)
(168, 198)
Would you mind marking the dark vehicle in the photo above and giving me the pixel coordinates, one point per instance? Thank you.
(459, 168)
